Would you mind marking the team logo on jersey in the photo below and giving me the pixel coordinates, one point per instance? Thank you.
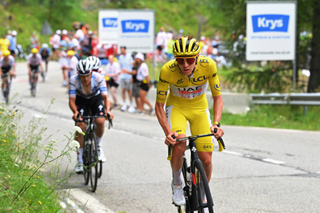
(217, 87)
(173, 67)
(204, 62)
(201, 78)
(180, 81)
(163, 81)
(189, 90)
(162, 92)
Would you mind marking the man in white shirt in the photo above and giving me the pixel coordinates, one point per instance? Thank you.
(56, 44)
(113, 71)
(160, 42)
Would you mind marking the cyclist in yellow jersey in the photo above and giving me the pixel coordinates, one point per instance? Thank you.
(188, 77)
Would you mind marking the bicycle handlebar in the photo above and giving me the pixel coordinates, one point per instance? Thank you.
(194, 137)
(93, 117)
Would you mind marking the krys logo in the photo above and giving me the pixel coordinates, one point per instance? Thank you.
(110, 22)
(135, 26)
(270, 23)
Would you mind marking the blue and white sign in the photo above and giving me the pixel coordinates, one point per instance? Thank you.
(271, 28)
(135, 26)
(110, 22)
(131, 28)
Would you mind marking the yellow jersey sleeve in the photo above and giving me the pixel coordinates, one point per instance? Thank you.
(163, 85)
(214, 79)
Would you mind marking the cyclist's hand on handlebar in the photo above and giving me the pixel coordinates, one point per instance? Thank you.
(219, 133)
(111, 115)
(170, 140)
(74, 117)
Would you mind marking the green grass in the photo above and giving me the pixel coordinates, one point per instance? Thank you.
(28, 182)
(274, 116)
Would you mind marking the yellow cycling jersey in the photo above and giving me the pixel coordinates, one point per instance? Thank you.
(188, 91)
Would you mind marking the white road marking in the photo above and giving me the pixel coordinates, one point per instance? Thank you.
(273, 161)
(91, 203)
(232, 153)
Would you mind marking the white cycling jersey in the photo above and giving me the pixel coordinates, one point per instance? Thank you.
(7, 63)
(98, 86)
(34, 60)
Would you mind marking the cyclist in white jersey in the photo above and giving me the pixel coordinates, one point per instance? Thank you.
(34, 61)
(7, 65)
(88, 91)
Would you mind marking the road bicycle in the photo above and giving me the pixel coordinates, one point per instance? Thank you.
(92, 166)
(6, 86)
(193, 176)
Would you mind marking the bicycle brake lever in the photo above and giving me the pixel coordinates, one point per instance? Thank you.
(110, 121)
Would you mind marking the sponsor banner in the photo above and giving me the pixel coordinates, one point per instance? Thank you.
(131, 28)
(271, 28)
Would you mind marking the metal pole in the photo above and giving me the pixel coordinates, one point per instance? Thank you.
(294, 74)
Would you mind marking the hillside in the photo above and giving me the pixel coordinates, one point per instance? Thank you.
(27, 16)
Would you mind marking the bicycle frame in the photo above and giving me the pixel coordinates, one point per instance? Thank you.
(6, 88)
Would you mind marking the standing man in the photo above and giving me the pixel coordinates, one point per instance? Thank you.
(160, 42)
(113, 71)
(56, 45)
(126, 62)
(13, 43)
(189, 77)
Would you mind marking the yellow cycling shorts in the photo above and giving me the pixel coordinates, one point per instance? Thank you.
(199, 120)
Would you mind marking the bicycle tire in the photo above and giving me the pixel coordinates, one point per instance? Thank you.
(185, 208)
(93, 163)
(199, 172)
(86, 164)
(99, 169)
(6, 93)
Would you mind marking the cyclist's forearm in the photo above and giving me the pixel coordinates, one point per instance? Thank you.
(72, 105)
(162, 118)
(107, 103)
(217, 108)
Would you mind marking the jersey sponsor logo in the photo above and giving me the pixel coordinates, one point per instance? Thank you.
(189, 90)
(217, 87)
(270, 23)
(178, 131)
(100, 107)
(163, 81)
(135, 26)
(162, 92)
(110, 22)
(201, 78)
(174, 65)
(207, 147)
(180, 81)
(204, 60)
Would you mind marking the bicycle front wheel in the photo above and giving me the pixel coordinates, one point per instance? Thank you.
(86, 162)
(94, 164)
(200, 177)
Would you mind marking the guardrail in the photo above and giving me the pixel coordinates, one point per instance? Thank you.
(297, 99)
(302, 99)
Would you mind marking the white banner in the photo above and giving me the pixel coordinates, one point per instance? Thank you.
(131, 28)
(271, 31)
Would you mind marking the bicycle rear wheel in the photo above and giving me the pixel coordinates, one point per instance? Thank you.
(93, 164)
(200, 176)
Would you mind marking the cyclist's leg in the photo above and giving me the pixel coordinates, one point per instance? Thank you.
(178, 123)
(83, 110)
(200, 124)
(97, 108)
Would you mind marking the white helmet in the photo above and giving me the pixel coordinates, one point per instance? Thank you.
(45, 45)
(64, 32)
(58, 32)
(84, 67)
(96, 63)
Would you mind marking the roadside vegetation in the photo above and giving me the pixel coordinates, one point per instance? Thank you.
(30, 176)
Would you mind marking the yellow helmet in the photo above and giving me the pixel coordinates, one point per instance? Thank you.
(34, 50)
(70, 52)
(6, 53)
(186, 48)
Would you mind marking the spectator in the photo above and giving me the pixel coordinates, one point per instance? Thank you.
(170, 43)
(126, 61)
(72, 64)
(101, 51)
(65, 36)
(160, 42)
(64, 64)
(113, 71)
(4, 43)
(143, 77)
(34, 41)
(180, 33)
(56, 44)
(13, 43)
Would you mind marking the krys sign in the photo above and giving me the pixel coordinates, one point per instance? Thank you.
(135, 26)
(270, 23)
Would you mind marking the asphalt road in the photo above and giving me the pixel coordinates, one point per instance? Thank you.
(262, 170)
